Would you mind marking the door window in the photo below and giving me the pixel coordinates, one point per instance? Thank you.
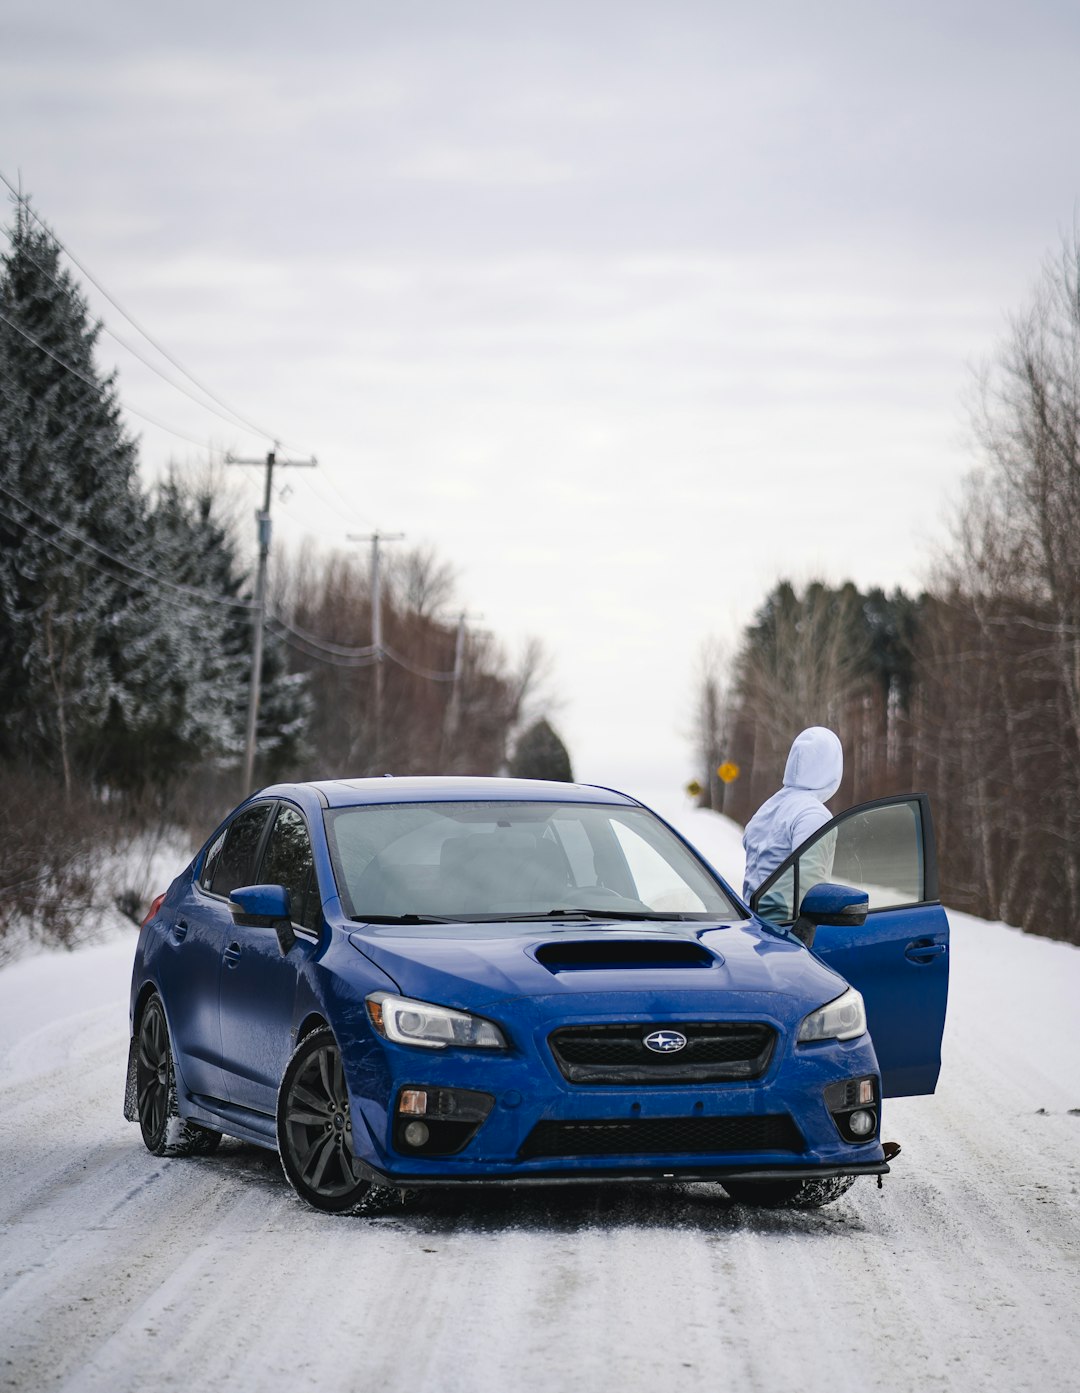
(879, 848)
(234, 863)
(288, 861)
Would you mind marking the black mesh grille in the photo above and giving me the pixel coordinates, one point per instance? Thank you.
(715, 1052)
(663, 1136)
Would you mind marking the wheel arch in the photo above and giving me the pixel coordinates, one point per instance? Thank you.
(314, 1020)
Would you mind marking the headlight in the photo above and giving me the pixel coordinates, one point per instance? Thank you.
(434, 1027)
(841, 1019)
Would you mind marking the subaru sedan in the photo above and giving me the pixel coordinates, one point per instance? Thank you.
(400, 983)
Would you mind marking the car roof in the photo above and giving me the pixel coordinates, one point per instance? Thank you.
(345, 793)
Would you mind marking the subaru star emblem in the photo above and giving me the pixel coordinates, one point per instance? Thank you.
(665, 1041)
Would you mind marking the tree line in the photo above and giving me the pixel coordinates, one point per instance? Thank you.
(970, 690)
(126, 620)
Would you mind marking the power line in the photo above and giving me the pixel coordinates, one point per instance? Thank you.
(97, 388)
(314, 653)
(141, 585)
(190, 591)
(268, 435)
(339, 650)
(231, 419)
(416, 669)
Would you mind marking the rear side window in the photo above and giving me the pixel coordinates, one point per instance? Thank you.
(288, 861)
(233, 862)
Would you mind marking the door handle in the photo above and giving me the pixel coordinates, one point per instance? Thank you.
(232, 955)
(180, 929)
(924, 950)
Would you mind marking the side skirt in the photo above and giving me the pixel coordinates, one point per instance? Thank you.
(245, 1123)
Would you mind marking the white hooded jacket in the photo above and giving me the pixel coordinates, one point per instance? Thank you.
(814, 769)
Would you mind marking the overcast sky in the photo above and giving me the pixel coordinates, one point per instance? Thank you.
(628, 308)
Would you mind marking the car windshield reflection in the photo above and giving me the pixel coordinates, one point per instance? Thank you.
(479, 862)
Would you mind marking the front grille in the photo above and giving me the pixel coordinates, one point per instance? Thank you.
(716, 1052)
(662, 1136)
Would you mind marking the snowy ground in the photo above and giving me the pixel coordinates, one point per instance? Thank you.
(119, 1271)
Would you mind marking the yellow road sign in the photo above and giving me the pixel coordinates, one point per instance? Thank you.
(728, 772)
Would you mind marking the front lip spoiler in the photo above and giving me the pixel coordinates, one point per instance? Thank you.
(653, 1174)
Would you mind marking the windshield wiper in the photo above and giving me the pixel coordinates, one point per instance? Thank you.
(592, 916)
(540, 915)
(402, 919)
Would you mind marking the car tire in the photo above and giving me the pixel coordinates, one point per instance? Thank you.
(314, 1128)
(789, 1194)
(164, 1131)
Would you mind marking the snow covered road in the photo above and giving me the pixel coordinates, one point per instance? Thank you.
(119, 1271)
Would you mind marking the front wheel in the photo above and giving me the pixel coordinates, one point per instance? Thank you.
(789, 1194)
(164, 1131)
(314, 1128)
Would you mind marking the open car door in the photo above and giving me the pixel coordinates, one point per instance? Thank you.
(898, 959)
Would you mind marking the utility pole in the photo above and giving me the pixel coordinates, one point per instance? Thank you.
(258, 616)
(376, 539)
(453, 711)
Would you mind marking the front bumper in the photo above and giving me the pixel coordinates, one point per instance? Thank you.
(530, 1094)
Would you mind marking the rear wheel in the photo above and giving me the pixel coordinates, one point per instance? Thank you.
(314, 1128)
(164, 1131)
(789, 1194)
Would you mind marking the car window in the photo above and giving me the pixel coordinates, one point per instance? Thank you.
(481, 860)
(211, 859)
(288, 861)
(878, 849)
(235, 863)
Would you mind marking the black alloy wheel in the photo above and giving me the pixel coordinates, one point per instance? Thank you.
(789, 1194)
(314, 1128)
(164, 1131)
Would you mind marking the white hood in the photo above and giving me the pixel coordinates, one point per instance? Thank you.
(816, 763)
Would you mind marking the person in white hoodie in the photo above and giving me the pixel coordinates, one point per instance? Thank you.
(815, 766)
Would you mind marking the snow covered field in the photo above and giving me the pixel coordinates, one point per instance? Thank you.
(119, 1271)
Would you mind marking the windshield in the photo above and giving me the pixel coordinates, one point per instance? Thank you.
(475, 861)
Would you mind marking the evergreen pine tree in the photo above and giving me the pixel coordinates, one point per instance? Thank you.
(182, 698)
(540, 754)
(67, 473)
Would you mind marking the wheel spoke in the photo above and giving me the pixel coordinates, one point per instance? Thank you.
(324, 1072)
(328, 1147)
(302, 1118)
(309, 1099)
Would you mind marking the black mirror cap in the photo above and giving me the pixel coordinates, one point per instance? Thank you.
(841, 905)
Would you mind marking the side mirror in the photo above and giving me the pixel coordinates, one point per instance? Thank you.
(835, 904)
(265, 906)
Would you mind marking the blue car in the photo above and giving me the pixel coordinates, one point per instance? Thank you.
(399, 983)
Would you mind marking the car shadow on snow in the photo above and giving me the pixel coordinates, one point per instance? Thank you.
(553, 1208)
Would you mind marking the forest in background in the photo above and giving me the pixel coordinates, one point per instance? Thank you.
(126, 624)
(969, 691)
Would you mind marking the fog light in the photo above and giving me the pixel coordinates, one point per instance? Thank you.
(413, 1101)
(416, 1133)
(861, 1123)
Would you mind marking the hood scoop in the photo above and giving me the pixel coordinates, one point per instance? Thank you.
(611, 954)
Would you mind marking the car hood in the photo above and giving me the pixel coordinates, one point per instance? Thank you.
(474, 966)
